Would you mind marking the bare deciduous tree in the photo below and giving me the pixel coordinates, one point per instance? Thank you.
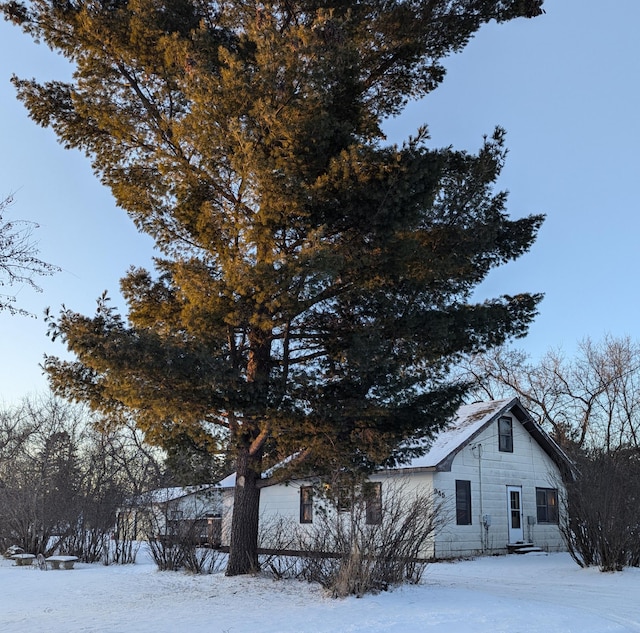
(586, 402)
(19, 263)
(62, 479)
(591, 406)
(38, 473)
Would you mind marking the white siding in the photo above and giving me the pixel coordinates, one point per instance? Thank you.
(490, 472)
(282, 500)
(277, 503)
(479, 462)
(281, 503)
(227, 512)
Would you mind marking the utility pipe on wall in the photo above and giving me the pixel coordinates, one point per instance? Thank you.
(476, 449)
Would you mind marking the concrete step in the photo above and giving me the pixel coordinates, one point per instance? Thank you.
(522, 548)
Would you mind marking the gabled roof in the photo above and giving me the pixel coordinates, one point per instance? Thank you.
(470, 421)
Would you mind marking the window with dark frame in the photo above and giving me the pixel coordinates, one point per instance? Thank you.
(547, 505)
(463, 502)
(306, 504)
(373, 501)
(344, 502)
(505, 435)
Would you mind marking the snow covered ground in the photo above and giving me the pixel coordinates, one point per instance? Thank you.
(529, 594)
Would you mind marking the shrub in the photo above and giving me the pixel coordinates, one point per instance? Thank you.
(179, 548)
(202, 560)
(167, 554)
(602, 518)
(348, 553)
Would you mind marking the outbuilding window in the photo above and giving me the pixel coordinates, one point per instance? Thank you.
(463, 502)
(505, 435)
(547, 505)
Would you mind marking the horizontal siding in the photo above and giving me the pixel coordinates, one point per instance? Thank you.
(489, 471)
(528, 466)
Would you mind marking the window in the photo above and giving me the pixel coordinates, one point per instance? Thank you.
(505, 435)
(306, 504)
(176, 515)
(463, 502)
(373, 501)
(547, 505)
(344, 502)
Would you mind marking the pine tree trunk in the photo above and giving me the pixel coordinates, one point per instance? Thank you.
(243, 547)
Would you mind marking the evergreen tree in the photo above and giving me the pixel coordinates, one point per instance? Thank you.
(313, 284)
(188, 463)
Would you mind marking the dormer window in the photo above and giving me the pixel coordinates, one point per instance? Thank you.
(505, 435)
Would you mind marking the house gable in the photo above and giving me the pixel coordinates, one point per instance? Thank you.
(474, 419)
(503, 482)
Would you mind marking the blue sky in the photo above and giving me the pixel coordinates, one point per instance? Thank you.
(566, 86)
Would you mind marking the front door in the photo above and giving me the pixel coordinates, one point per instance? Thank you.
(514, 506)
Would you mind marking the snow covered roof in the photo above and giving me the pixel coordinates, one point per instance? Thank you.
(470, 420)
(164, 495)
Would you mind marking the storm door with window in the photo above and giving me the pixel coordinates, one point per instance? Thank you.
(514, 508)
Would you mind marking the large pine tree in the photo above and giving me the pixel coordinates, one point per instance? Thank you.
(314, 282)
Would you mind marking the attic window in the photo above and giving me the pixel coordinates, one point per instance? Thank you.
(505, 435)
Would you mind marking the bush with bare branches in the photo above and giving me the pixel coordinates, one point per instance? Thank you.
(348, 553)
(278, 540)
(167, 554)
(121, 546)
(601, 523)
(178, 545)
(203, 560)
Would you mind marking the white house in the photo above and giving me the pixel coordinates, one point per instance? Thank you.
(497, 471)
(174, 511)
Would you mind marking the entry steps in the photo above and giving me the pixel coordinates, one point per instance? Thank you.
(522, 548)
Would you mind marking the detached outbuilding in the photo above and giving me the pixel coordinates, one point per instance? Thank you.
(175, 512)
(497, 473)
